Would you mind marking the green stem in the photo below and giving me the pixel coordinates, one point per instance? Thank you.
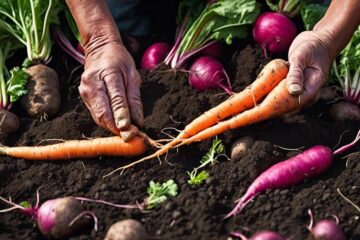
(35, 27)
(46, 18)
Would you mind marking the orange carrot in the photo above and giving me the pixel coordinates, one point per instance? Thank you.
(277, 103)
(109, 146)
(269, 77)
(267, 80)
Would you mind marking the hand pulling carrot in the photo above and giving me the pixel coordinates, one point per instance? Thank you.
(108, 146)
(271, 75)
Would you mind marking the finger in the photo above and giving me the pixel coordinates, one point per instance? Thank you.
(130, 133)
(117, 95)
(134, 98)
(97, 102)
(295, 77)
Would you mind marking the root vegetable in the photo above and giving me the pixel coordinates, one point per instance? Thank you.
(208, 73)
(128, 229)
(308, 164)
(325, 229)
(54, 217)
(154, 55)
(240, 147)
(268, 79)
(110, 146)
(345, 111)
(9, 122)
(57, 218)
(43, 97)
(274, 32)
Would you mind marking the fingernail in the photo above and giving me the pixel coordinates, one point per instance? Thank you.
(294, 88)
(121, 123)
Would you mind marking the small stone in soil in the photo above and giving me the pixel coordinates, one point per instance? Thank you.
(325, 196)
(169, 206)
(176, 214)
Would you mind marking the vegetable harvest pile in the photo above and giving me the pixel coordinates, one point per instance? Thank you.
(177, 178)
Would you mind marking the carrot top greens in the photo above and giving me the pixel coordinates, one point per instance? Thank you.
(216, 150)
(158, 193)
(12, 83)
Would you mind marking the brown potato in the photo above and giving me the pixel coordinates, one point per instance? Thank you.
(240, 147)
(43, 97)
(9, 122)
(128, 229)
(345, 111)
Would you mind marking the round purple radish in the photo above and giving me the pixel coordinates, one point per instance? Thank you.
(274, 32)
(154, 55)
(325, 229)
(55, 218)
(208, 73)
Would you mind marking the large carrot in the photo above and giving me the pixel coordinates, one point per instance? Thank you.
(270, 76)
(108, 146)
(277, 103)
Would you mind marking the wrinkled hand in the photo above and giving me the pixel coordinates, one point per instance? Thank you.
(310, 61)
(110, 88)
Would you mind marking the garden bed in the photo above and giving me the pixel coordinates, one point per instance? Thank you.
(197, 212)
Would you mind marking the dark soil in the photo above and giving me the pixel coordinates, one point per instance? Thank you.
(197, 212)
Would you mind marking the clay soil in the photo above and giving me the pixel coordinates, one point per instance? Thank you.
(197, 212)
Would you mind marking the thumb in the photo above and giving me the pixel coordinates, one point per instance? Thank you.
(295, 77)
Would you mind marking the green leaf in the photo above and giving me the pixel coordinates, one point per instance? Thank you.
(346, 69)
(311, 14)
(217, 148)
(25, 204)
(15, 86)
(223, 20)
(196, 179)
(29, 22)
(158, 193)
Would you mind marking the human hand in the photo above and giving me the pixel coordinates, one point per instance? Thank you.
(310, 60)
(110, 88)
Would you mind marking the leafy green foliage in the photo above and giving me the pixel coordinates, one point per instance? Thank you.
(158, 193)
(311, 14)
(223, 20)
(29, 22)
(15, 86)
(12, 83)
(346, 69)
(197, 178)
(216, 150)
